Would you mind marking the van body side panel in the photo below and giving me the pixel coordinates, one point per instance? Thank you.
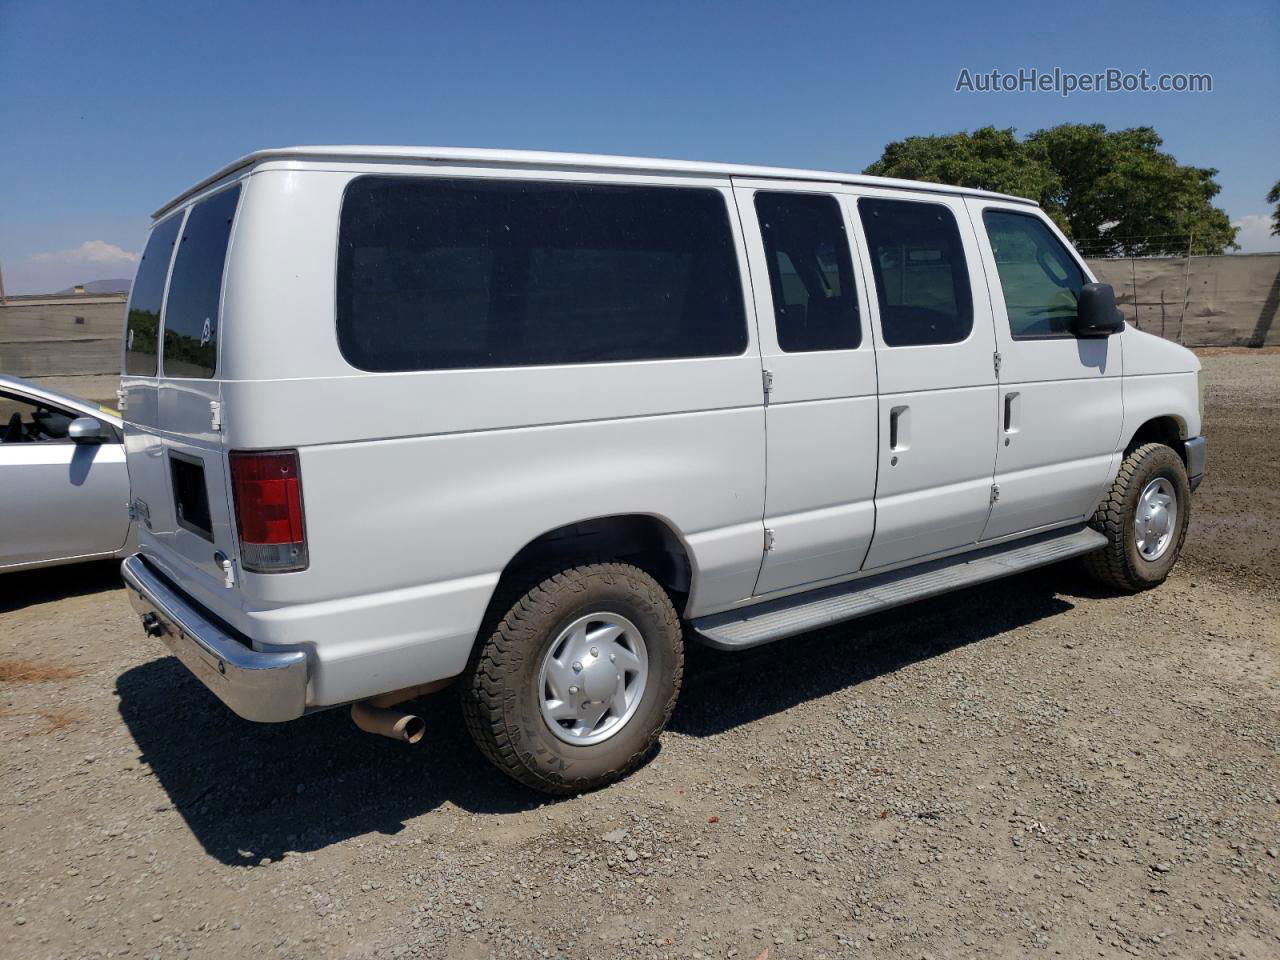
(1160, 380)
(1149, 396)
(265, 414)
(420, 486)
(278, 303)
(413, 533)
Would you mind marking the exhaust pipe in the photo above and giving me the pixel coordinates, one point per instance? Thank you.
(405, 727)
(374, 716)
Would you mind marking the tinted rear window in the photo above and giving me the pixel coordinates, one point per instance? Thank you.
(922, 280)
(437, 274)
(191, 319)
(146, 297)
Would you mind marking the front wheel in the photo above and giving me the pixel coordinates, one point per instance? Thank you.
(1144, 518)
(578, 678)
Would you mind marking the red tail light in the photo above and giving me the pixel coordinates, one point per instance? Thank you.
(268, 496)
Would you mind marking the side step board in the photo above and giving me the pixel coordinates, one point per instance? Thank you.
(801, 612)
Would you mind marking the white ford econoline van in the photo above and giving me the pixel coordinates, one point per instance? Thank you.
(396, 416)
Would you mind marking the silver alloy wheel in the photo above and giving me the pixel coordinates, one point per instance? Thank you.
(1156, 519)
(592, 678)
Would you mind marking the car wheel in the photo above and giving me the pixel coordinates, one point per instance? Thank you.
(577, 680)
(1144, 518)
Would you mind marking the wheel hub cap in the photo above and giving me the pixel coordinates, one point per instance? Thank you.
(1156, 518)
(592, 678)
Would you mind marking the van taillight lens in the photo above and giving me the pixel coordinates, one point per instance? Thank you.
(268, 495)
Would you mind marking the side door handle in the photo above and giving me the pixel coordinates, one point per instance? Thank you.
(1012, 411)
(900, 428)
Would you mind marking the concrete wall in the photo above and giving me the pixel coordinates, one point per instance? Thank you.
(42, 339)
(1209, 302)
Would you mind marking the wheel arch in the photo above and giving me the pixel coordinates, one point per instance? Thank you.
(1168, 429)
(647, 541)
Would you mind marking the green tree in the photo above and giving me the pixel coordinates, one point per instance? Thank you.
(1273, 196)
(988, 159)
(1114, 192)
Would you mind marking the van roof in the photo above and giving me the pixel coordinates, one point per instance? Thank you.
(549, 160)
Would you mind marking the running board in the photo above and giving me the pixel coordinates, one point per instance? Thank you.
(775, 619)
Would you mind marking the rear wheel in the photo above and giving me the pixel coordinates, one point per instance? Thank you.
(1144, 518)
(578, 678)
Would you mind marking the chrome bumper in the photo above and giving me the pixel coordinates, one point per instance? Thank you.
(266, 687)
(1195, 449)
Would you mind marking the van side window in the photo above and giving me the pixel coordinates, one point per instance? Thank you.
(1040, 280)
(195, 292)
(146, 296)
(445, 274)
(815, 305)
(922, 281)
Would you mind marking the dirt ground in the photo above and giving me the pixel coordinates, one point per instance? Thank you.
(1037, 767)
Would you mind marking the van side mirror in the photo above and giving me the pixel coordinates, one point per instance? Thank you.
(1096, 313)
(85, 430)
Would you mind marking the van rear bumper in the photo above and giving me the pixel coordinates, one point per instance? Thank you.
(264, 687)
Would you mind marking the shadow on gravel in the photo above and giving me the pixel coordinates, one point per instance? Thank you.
(58, 583)
(723, 690)
(249, 791)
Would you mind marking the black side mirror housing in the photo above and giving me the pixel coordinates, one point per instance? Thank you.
(1096, 313)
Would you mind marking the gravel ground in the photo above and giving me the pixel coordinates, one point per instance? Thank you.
(1034, 767)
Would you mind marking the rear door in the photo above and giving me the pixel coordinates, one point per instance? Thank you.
(819, 364)
(173, 430)
(1060, 396)
(935, 356)
(140, 383)
(190, 396)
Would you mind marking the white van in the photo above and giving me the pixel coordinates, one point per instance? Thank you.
(396, 416)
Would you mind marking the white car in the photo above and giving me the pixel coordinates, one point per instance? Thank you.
(64, 478)
(399, 416)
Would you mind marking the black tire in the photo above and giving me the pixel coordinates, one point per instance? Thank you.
(500, 695)
(1120, 564)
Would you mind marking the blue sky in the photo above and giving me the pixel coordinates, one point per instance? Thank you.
(110, 109)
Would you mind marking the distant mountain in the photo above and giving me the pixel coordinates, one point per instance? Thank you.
(119, 285)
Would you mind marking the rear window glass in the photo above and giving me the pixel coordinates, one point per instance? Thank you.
(191, 317)
(142, 325)
(815, 305)
(438, 274)
(922, 280)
